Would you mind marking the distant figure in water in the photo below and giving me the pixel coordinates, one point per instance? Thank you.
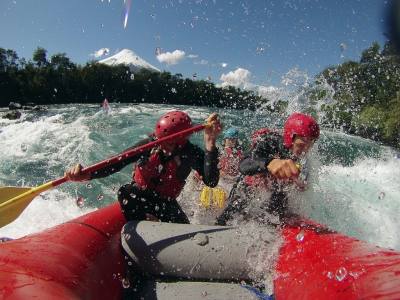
(106, 106)
(272, 164)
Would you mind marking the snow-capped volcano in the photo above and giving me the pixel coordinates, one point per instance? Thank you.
(129, 58)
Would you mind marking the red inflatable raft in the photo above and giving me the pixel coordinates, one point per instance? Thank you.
(81, 259)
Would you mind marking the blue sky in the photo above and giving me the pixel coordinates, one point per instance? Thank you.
(265, 39)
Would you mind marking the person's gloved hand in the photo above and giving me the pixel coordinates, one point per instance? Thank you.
(284, 169)
(76, 174)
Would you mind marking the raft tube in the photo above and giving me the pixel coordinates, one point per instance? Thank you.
(81, 259)
(198, 252)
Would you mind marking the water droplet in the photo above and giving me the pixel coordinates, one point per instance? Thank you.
(300, 236)
(204, 293)
(100, 197)
(125, 283)
(329, 275)
(89, 185)
(156, 208)
(341, 274)
(381, 195)
(125, 202)
(201, 239)
(132, 76)
(80, 202)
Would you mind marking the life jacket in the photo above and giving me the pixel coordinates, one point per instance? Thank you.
(159, 176)
(229, 161)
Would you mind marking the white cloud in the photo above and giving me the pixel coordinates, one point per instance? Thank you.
(171, 58)
(238, 78)
(193, 56)
(201, 62)
(101, 52)
(224, 65)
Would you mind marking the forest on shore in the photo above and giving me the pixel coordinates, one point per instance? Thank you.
(358, 97)
(57, 80)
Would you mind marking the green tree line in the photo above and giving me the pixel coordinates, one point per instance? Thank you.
(366, 95)
(57, 80)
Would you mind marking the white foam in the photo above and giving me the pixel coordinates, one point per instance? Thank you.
(45, 211)
(43, 139)
(360, 200)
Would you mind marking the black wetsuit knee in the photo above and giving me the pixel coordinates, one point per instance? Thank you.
(136, 203)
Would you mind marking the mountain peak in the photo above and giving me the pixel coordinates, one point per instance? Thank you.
(129, 58)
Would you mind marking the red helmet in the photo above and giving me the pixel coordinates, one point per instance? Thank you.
(299, 124)
(172, 122)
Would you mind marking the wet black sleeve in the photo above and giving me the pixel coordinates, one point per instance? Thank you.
(206, 163)
(262, 154)
(109, 170)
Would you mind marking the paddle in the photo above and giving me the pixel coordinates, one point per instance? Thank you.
(13, 200)
(212, 197)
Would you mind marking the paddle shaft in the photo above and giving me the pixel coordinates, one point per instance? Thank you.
(117, 158)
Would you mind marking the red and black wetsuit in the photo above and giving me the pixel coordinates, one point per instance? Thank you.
(267, 146)
(158, 179)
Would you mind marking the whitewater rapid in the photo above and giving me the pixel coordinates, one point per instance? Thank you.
(353, 183)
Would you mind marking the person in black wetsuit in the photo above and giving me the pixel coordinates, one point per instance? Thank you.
(160, 173)
(271, 162)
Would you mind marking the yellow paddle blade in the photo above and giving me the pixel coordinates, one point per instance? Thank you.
(13, 201)
(9, 213)
(205, 197)
(219, 197)
(212, 196)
